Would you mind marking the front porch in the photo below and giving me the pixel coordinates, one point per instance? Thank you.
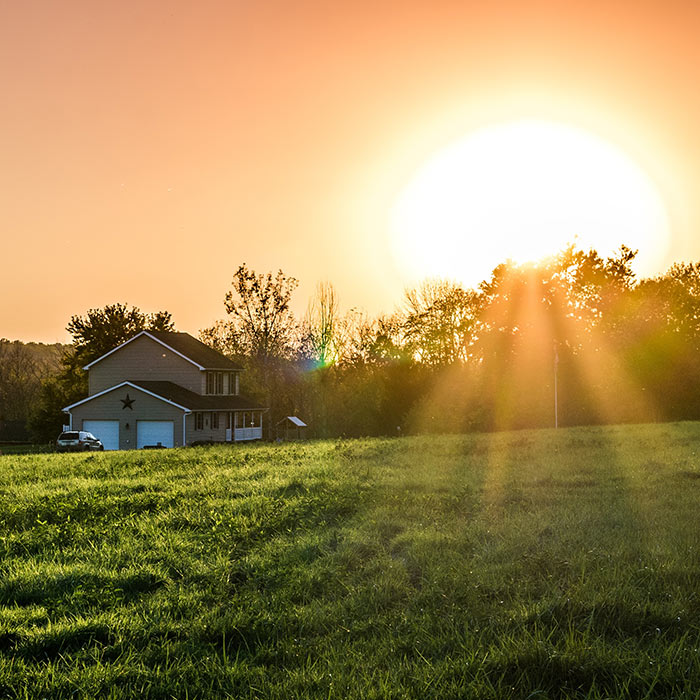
(244, 425)
(225, 426)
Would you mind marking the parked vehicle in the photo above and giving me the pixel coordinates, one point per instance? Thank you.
(78, 441)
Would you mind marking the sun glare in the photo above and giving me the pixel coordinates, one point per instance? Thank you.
(523, 191)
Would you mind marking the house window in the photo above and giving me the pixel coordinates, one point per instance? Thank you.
(215, 421)
(215, 382)
(198, 421)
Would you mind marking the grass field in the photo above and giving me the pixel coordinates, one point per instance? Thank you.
(541, 564)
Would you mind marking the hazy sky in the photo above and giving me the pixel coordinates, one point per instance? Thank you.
(149, 148)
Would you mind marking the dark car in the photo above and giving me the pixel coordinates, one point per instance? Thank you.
(78, 440)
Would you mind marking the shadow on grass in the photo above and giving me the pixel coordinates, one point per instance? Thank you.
(52, 643)
(613, 620)
(572, 677)
(91, 589)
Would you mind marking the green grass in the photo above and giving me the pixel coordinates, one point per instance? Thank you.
(536, 564)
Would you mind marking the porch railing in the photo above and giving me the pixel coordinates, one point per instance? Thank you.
(248, 434)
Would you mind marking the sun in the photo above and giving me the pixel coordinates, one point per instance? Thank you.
(524, 190)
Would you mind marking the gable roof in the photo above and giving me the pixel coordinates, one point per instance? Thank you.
(180, 397)
(119, 386)
(184, 345)
(294, 421)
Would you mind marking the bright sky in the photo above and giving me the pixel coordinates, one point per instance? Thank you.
(149, 148)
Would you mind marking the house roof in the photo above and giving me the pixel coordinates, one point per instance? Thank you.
(195, 350)
(119, 386)
(196, 402)
(183, 344)
(180, 397)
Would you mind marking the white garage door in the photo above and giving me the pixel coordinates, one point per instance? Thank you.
(151, 432)
(105, 430)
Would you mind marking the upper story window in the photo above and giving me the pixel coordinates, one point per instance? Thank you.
(222, 383)
(215, 382)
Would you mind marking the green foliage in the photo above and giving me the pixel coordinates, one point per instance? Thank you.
(440, 322)
(102, 330)
(455, 359)
(94, 334)
(47, 418)
(261, 334)
(261, 318)
(23, 366)
(321, 335)
(544, 564)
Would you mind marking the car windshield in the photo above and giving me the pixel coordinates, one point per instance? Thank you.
(68, 436)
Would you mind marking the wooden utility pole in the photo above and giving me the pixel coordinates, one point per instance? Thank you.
(556, 393)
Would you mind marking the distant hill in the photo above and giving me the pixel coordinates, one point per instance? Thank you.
(47, 355)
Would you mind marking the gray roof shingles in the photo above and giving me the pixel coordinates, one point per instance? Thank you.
(195, 350)
(196, 402)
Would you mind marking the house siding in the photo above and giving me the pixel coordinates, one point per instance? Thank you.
(146, 359)
(109, 406)
(207, 433)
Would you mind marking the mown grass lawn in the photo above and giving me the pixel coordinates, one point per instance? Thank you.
(518, 565)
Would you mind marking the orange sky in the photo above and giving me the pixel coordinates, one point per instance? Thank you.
(148, 148)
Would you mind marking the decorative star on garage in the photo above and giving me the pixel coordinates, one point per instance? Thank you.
(127, 402)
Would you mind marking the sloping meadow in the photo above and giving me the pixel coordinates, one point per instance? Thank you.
(529, 564)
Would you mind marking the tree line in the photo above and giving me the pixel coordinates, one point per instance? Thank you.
(450, 358)
(454, 359)
(23, 367)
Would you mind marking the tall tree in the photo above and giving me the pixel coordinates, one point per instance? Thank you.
(262, 334)
(440, 322)
(321, 325)
(261, 317)
(100, 330)
(93, 335)
(579, 301)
